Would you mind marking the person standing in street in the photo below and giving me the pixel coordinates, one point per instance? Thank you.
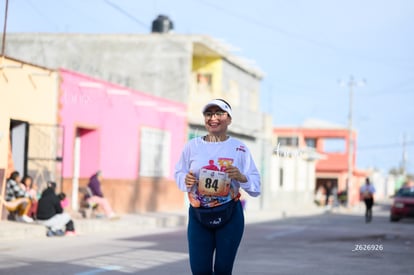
(328, 191)
(212, 169)
(367, 194)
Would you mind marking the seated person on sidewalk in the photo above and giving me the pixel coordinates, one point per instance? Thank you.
(64, 202)
(50, 213)
(17, 199)
(31, 189)
(98, 197)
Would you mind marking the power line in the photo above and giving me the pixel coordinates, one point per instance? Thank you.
(136, 20)
(42, 14)
(399, 88)
(79, 11)
(385, 146)
(127, 14)
(270, 27)
(301, 37)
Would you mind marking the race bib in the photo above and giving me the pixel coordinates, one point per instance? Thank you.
(213, 183)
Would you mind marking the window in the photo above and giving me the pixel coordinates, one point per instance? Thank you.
(310, 142)
(334, 145)
(288, 141)
(155, 153)
(204, 80)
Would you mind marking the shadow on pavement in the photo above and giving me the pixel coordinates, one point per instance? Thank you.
(164, 241)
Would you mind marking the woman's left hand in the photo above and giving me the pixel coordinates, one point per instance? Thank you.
(235, 174)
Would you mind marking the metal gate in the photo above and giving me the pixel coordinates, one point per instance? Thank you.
(45, 154)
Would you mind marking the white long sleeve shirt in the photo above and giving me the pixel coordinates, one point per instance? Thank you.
(212, 158)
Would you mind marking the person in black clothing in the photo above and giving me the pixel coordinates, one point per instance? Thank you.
(50, 213)
(328, 192)
(367, 194)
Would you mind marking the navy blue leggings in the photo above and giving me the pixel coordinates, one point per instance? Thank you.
(203, 242)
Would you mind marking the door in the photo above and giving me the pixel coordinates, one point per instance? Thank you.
(19, 143)
(85, 159)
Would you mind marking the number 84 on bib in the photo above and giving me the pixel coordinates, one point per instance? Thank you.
(213, 183)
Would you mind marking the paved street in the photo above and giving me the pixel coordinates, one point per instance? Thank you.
(319, 244)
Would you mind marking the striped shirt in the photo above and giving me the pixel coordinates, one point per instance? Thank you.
(14, 191)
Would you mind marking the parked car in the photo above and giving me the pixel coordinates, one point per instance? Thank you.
(403, 206)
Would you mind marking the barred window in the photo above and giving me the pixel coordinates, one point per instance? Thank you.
(155, 153)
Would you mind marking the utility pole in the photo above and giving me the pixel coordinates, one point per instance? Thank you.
(3, 45)
(349, 184)
(404, 155)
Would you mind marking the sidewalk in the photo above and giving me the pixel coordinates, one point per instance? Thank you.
(130, 222)
(127, 222)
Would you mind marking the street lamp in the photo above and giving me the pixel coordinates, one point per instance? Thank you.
(351, 84)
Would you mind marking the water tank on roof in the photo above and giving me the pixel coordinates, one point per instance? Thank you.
(162, 24)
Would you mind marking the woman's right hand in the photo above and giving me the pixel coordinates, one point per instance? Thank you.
(190, 180)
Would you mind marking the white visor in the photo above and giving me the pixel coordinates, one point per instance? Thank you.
(221, 104)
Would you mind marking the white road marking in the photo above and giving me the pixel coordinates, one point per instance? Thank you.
(100, 270)
(132, 261)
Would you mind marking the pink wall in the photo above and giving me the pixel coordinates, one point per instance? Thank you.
(89, 154)
(116, 119)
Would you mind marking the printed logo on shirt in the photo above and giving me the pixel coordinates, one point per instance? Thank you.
(241, 148)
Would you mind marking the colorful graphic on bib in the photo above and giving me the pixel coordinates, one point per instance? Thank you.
(224, 163)
(214, 187)
(211, 166)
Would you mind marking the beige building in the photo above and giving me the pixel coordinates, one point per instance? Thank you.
(28, 121)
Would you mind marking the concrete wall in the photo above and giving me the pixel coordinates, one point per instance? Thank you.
(384, 184)
(293, 188)
(154, 63)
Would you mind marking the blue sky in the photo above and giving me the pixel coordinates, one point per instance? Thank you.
(303, 46)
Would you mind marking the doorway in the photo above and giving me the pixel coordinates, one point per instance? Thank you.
(85, 159)
(19, 137)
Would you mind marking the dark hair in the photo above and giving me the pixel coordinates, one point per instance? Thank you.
(26, 178)
(51, 184)
(14, 175)
(224, 102)
(61, 196)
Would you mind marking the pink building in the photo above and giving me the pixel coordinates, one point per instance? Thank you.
(135, 139)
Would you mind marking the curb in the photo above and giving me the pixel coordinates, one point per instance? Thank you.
(10, 230)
